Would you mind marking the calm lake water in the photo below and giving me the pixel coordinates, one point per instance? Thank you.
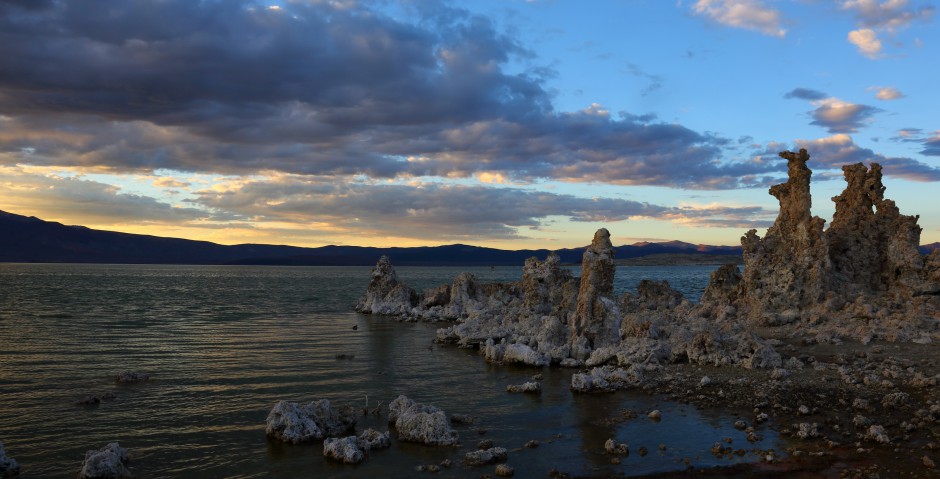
(223, 344)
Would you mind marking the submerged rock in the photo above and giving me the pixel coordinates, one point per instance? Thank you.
(504, 470)
(372, 439)
(531, 387)
(289, 422)
(8, 465)
(485, 456)
(352, 449)
(345, 449)
(130, 377)
(416, 422)
(109, 462)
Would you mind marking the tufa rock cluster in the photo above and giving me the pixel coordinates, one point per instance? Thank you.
(862, 278)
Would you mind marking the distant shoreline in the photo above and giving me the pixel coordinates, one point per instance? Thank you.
(676, 259)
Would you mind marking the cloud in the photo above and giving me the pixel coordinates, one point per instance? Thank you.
(435, 211)
(932, 145)
(886, 93)
(805, 94)
(169, 182)
(746, 14)
(841, 116)
(888, 14)
(835, 115)
(867, 42)
(83, 201)
(837, 150)
(908, 135)
(318, 88)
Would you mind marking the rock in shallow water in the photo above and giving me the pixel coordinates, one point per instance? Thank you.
(531, 387)
(485, 456)
(416, 422)
(8, 465)
(343, 449)
(109, 462)
(130, 377)
(289, 422)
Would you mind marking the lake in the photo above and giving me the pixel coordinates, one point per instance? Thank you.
(223, 344)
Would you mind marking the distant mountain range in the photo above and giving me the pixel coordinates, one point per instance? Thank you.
(27, 239)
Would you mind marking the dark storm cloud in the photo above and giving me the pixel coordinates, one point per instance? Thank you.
(438, 211)
(312, 88)
(805, 94)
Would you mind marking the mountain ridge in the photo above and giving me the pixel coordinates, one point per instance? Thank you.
(27, 239)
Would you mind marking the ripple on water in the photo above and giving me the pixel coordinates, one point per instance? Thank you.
(223, 344)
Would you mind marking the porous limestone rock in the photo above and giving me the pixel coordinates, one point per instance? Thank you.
(485, 456)
(372, 439)
(874, 250)
(619, 449)
(789, 268)
(386, 294)
(606, 379)
(877, 433)
(109, 462)
(504, 470)
(597, 317)
(343, 449)
(289, 422)
(531, 387)
(720, 299)
(862, 278)
(332, 420)
(8, 465)
(548, 288)
(521, 353)
(416, 422)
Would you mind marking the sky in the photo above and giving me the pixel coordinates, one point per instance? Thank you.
(502, 123)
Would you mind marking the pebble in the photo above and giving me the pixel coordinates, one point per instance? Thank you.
(655, 415)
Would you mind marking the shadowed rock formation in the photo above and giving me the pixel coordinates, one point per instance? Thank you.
(788, 269)
(386, 295)
(597, 322)
(869, 255)
(873, 248)
(863, 278)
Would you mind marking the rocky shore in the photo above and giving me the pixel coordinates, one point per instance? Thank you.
(828, 334)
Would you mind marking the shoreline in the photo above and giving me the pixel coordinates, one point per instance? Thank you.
(829, 333)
